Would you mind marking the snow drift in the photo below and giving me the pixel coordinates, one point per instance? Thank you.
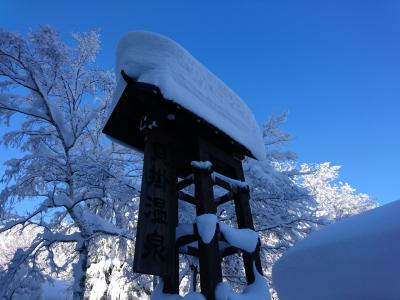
(357, 258)
(152, 58)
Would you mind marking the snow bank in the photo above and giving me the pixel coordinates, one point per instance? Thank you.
(58, 290)
(155, 59)
(357, 258)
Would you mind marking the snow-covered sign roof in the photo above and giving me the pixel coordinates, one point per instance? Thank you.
(357, 258)
(154, 59)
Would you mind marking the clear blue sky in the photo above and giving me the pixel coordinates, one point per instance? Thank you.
(334, 64)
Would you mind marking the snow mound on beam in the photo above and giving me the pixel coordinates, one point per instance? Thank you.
(357, 258)
(244, 238)
(206, 225)
(155, 59)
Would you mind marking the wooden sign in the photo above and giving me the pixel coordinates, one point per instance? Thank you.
(155, 239)
(170, 145)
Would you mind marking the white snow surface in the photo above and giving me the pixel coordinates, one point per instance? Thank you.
(159, 295)
(245, 239)
(155, 59)
(258, 290)
(206, 225)
(356, 258)
(58, 290)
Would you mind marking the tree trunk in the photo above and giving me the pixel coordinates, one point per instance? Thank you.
(155, 282)
(194, 277)
(80, 269)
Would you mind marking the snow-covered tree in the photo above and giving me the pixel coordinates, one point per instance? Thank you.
(72, 176)
(336, 200)
(283, 211)
(289, 200)
(10, 242)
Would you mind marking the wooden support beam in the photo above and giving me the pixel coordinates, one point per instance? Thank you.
(229, 184)
(192, 251)
(230, 251)
(209, 254)
(224, 198)
(186, 239)
(231, 166)
(222, 183)
(185, 182)
(245, 220)
(186, 197)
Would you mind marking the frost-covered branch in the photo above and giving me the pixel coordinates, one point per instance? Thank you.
(67, 169)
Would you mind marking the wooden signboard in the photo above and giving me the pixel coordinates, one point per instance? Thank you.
(158, 206)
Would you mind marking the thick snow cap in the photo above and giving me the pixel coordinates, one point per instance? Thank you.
(357, 258)
(152, 58)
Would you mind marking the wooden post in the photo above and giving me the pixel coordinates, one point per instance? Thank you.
(232, 167)
(245, 220)
(194, 277)
(209, 255)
